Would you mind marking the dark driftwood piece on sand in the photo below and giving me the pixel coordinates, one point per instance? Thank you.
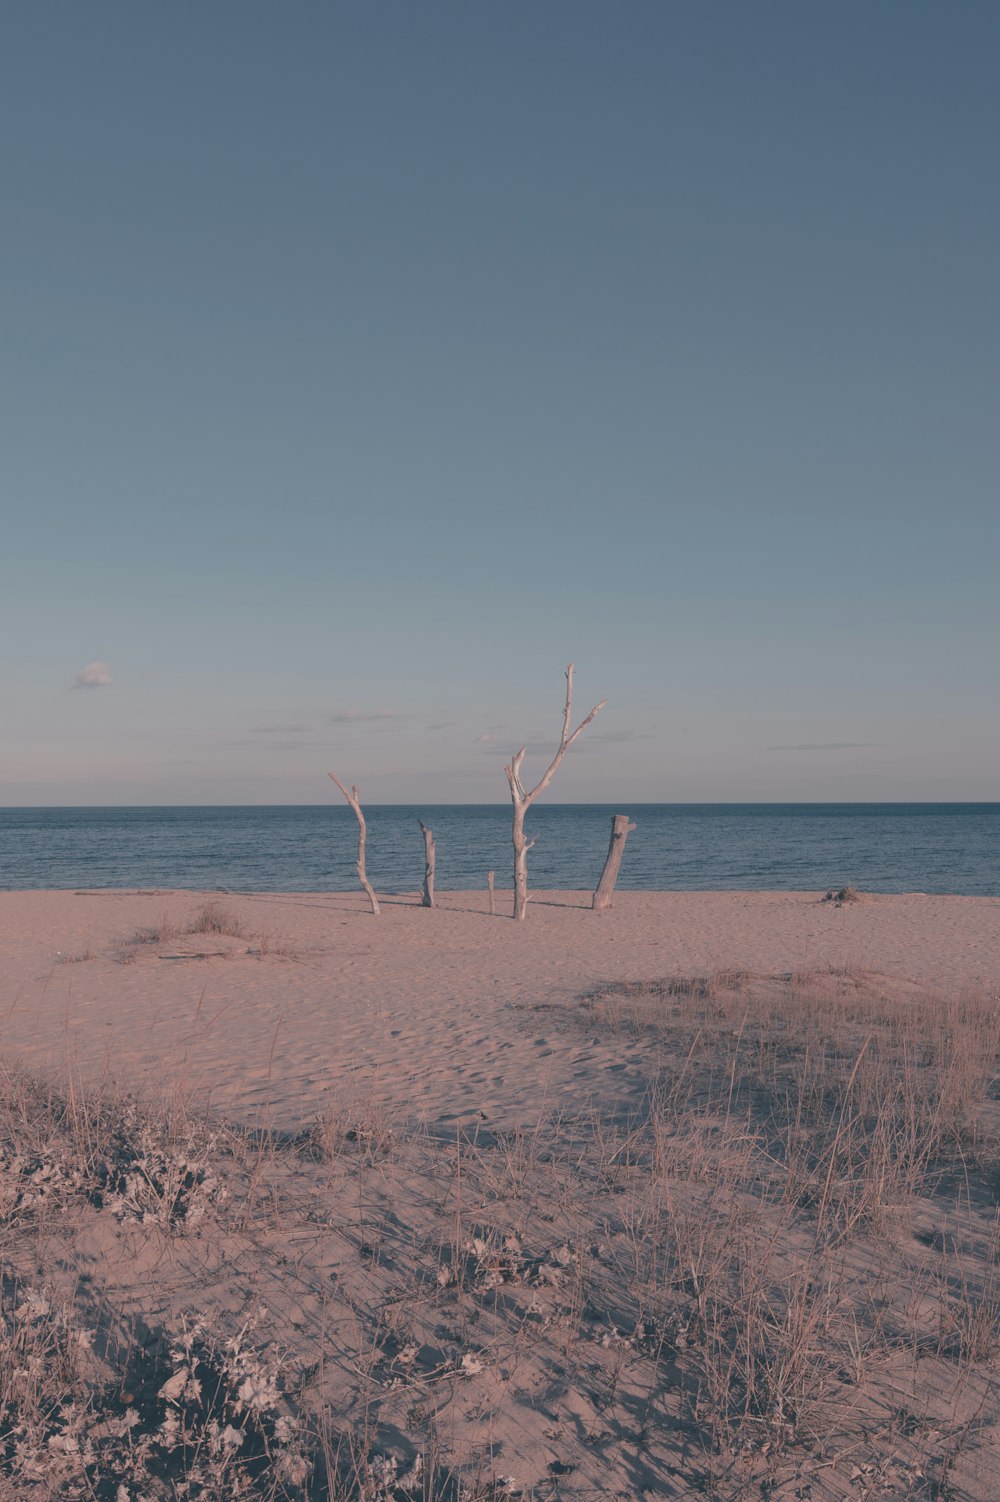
(427, 899)
(522, 799)
(352, 798)
(620, 831)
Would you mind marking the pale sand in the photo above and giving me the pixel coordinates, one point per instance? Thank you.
(362, 1272)
(421, 1007)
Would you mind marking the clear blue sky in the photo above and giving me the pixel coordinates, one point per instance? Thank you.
(362, 364)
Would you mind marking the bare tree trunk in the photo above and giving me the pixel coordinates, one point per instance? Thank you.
(352, 798)
(489, 885)
(521, 848)
(523, 799)
(620, 831)
(427, 900)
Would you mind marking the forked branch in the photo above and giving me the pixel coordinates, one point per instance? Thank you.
(566, 740)
(522, 799)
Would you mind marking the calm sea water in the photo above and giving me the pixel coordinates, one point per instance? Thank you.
(887, 847)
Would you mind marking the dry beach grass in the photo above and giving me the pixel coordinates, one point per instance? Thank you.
(695, 1198)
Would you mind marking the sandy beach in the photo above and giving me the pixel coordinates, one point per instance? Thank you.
(424, 1008)
(692, 1197)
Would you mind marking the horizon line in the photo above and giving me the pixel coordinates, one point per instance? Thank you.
(548, 803)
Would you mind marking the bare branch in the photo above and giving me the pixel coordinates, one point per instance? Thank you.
(517, 792)
(584, 723)
(566, 740)
(342, 788)
(568, 711)
(354, 801)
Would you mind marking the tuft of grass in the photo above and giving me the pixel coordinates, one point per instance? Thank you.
(79, 957)
(211, 918)
(368, 1131)
(215, 919)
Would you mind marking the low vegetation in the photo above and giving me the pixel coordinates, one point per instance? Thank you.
(843, 895)
(779, 1277)
(211, 921)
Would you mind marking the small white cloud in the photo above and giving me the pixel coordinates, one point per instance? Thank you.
(94, 675)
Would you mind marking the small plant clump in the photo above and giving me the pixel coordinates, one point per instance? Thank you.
(210, 920)
(182, 1417)
(215, 919)
(843, 895)
(108, 1153)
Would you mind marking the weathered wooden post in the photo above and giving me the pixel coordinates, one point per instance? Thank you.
(620, 831)
(352, 798)
(427, 900)
(489, 886)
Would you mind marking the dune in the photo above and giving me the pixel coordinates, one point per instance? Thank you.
(693, 1197)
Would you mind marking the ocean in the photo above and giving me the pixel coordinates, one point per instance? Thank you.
(876, 847)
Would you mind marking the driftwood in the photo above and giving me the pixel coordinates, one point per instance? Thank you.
(489, 886)
(620, 831)
(352, 798)
(522, 799)
(427, 900)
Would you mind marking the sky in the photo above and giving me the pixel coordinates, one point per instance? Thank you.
(361, 365)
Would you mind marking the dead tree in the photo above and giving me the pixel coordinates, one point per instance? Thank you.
(352, 798)
(427, 900)
(522, 799)
(620, 831)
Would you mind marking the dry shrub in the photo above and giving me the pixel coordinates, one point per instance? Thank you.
(186, 1415)
(127, 950)
(102, 1148)
(215, 919)
(210, 919)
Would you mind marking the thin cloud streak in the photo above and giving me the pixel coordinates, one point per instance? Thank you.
(362, 717)
(827, 746)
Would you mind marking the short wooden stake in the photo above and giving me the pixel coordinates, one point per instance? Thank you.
(427, 900)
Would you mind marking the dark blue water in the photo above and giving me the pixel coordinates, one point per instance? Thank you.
(886, 847)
